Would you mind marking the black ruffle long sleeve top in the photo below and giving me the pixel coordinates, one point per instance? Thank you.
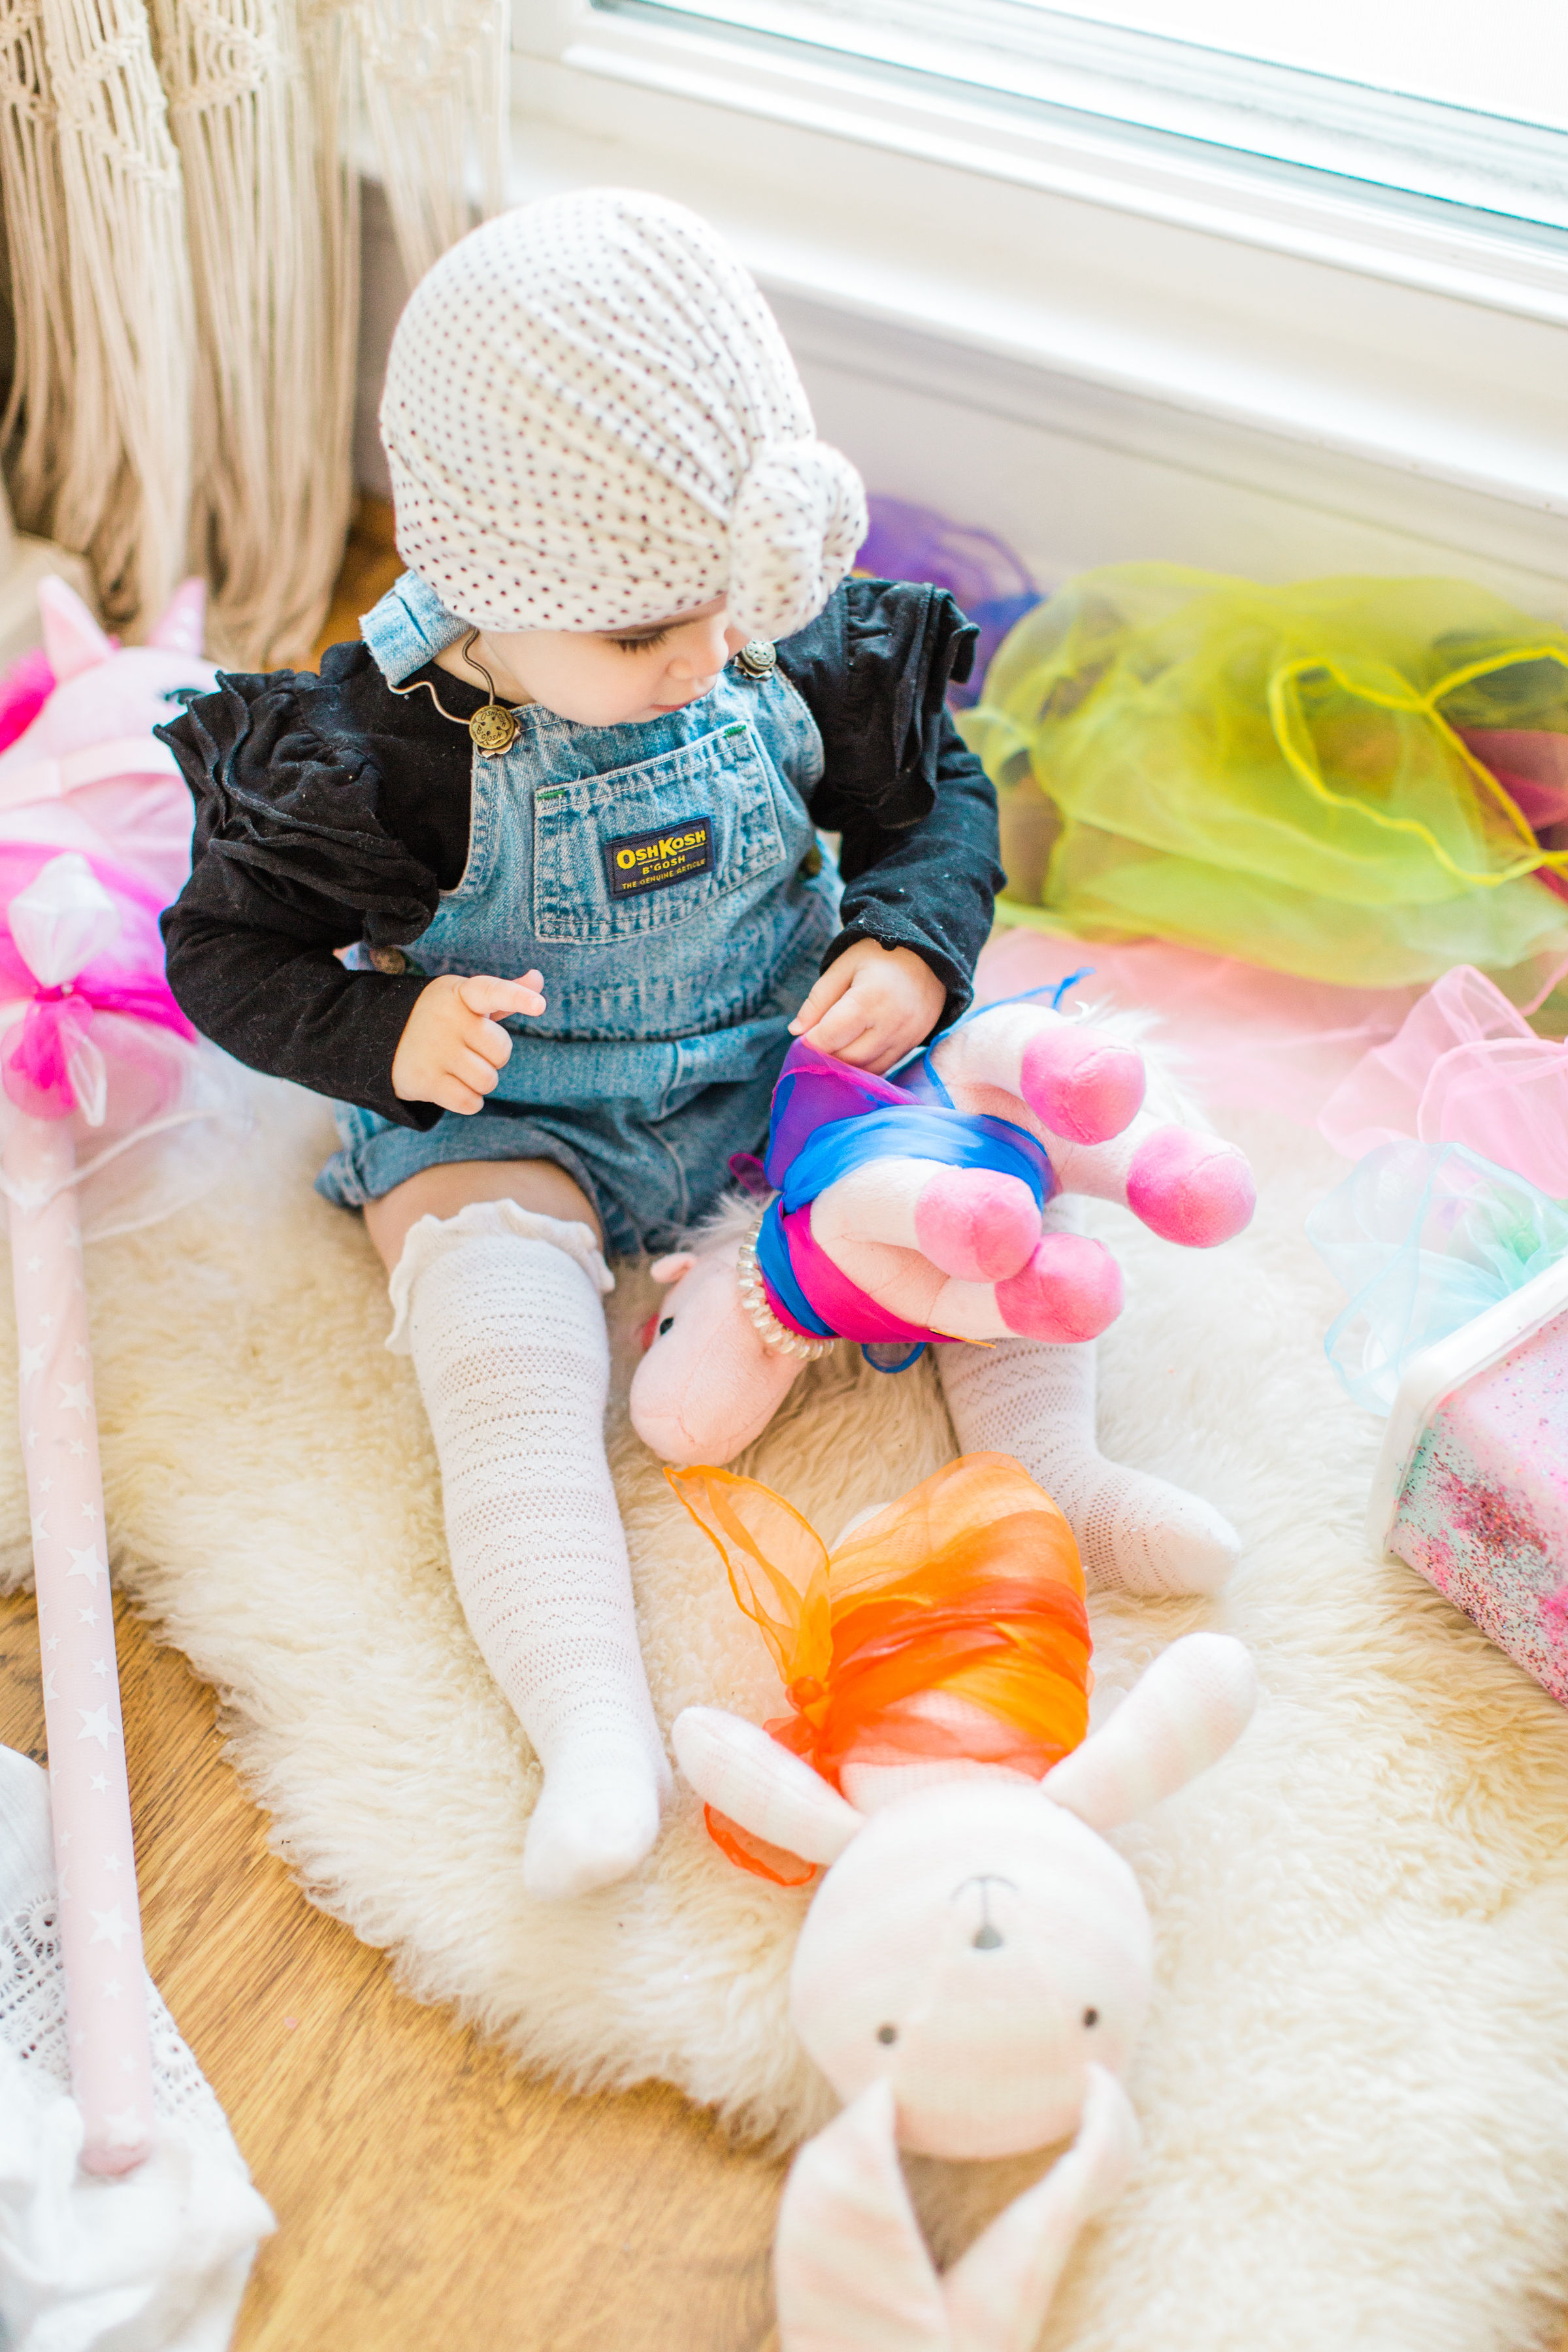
(331, 812)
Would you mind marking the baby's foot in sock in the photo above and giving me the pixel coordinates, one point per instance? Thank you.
(1140, 1534)
(596, 1818)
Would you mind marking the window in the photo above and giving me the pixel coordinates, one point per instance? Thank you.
(1172, 237)
(1392, 94)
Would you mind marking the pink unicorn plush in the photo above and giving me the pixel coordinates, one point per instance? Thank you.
(86, 772)
(927, 1209)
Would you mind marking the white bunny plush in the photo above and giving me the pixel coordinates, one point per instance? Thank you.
(975, 1967)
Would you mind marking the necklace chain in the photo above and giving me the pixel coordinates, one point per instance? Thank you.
(493, 728)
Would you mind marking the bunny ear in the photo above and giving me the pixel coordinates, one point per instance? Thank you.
(998, 2292)
(180, 625)
(735, 1768)
(851, 2267)
(1194, 1702)
(72, 638)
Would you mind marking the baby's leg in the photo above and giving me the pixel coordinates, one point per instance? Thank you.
(499, 1308)
(1035, 1402)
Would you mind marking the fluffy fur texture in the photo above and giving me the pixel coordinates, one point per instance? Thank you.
(1354, 2083)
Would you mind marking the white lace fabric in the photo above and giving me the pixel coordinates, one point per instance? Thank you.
(434, 1237)
(153, 2262)
(33, 2024)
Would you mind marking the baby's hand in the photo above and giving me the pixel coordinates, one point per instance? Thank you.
(451, 1048)
(871, 1005)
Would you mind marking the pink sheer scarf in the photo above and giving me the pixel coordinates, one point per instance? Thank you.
(1464, 1067)
(838, 1301)
(1239, 1035)
(51, 1063)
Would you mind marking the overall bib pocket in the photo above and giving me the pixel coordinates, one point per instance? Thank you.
(642, 849)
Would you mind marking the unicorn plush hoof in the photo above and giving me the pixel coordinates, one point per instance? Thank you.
(1191, 1188)
(1069, 1290)
(1083, 1087)
(976, 1226)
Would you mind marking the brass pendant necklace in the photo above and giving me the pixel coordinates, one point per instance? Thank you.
(493, 728)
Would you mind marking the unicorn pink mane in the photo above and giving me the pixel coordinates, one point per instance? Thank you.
(25, 688)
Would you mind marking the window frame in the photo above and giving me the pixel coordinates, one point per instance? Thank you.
(1162, 153)
(1248, 329)
(1065, 66)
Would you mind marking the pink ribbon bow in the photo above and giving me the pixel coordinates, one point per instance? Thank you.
(78, 938)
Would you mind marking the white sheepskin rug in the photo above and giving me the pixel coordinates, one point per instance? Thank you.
(1353, 2085)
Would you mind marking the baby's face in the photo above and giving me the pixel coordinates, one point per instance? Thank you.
(610, 680)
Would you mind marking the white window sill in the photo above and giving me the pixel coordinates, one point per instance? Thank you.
(1341, 350)
(1497, 236)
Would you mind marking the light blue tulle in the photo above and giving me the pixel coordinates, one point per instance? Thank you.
(1424, 1236)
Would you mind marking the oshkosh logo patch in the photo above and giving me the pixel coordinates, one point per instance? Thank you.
(648, 861)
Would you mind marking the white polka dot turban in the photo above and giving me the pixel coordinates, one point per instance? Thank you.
(593, 423)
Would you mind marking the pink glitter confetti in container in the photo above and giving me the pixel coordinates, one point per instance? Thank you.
(1471, 1488)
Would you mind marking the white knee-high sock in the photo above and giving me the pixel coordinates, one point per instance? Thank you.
(499, 1309)
(1036, 1403)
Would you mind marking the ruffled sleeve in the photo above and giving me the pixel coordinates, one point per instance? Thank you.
(296, 809)
(915, 811)
(874, 669)
(292, 860)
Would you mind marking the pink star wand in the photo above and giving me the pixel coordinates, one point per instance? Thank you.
(81, 967)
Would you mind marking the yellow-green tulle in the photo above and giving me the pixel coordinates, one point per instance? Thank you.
(1278, 774)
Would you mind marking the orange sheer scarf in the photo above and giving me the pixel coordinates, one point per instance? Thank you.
(970, 1585)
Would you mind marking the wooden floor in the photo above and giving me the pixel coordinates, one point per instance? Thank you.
(426, 2195)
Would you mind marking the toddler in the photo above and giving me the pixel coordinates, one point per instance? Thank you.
(532, 882)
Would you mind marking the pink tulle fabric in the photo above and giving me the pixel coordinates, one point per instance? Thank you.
(1464, 1067)
(1240, 1035)
(124, 980)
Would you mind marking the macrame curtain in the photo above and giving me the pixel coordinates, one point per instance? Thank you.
(183, 233)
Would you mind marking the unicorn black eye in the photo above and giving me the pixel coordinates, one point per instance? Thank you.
(184, 694)
(1091, 2017)
(887, 2034)
(667, 1325)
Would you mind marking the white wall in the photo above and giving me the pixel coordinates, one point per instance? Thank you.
(1072, 475)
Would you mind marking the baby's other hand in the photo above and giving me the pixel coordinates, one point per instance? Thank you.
(872, 1006)
(452, 1047)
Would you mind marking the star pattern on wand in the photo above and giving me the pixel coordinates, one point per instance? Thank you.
(110, 1926)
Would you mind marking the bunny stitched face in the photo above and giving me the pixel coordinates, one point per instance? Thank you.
(978, 1947)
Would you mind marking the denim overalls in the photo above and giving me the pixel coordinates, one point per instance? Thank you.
(666, 880)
